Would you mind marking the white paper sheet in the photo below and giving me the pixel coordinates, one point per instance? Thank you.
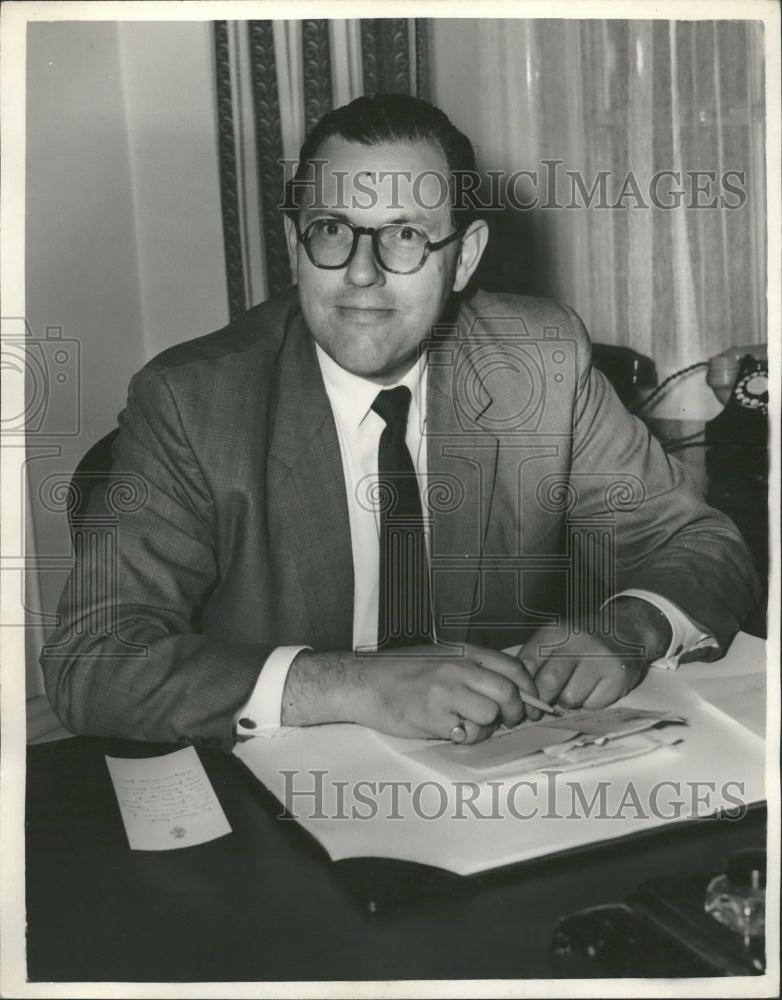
(327, 765)
(506, 748)
(616, 721)
(742, 698)
(166, 802)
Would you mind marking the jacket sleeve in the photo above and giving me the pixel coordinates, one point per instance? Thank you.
(127, 657)
(667, 539)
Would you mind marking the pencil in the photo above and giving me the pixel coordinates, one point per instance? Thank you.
(533, 702)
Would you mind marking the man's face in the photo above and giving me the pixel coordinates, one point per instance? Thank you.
(371, 321)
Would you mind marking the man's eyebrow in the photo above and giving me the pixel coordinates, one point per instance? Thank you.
(416, 217)
(327, 213)
(332, 213)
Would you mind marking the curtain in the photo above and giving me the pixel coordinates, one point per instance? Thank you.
(631, 99)
(597, 108)
(274, 80)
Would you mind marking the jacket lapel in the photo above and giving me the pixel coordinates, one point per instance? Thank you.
(307, 492)
(307, 489)
(462, 465)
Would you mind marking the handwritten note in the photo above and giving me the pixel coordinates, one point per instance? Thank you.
(166, 802)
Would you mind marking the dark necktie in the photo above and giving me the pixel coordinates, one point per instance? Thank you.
(405, 617)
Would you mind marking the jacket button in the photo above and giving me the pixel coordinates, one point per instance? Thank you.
(248, 723)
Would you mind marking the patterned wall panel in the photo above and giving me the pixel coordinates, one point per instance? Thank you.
(385, 45)
(317, 71)
(422, 88)
(229, 193)
(268, 141)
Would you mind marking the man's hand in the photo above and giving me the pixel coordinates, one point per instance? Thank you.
(421, 691)
(592, 670)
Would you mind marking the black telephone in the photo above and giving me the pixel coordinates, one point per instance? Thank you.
(731, 374)
(737, 457)
(736, 440)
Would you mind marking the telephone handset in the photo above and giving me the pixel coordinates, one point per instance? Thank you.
(741, 373)
(742, 384)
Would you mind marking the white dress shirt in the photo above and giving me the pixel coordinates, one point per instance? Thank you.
(358, 431)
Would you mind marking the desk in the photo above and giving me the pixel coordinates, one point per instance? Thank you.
(264, 903)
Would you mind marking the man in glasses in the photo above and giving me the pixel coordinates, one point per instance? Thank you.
(361, 491)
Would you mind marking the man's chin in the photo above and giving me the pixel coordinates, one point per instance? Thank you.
(384, 371)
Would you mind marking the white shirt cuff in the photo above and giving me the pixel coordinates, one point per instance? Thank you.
(686, 636)
(261, 716)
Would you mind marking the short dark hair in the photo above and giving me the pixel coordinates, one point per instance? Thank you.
(378, 118)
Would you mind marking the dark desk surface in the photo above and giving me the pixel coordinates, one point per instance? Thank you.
(265, 903)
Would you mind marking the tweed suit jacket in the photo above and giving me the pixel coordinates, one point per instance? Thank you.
(240, 540)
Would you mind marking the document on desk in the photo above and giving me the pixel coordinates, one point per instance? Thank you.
(742, 698)
(166, 802)
(361, 794)
(533, 746)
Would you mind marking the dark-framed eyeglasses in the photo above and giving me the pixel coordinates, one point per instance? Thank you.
(398, 247)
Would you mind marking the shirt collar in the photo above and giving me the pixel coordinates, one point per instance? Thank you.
(352, 396)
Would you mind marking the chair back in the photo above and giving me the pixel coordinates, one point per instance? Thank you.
(92, 471)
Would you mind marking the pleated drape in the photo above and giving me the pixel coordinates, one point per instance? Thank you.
(623, 97)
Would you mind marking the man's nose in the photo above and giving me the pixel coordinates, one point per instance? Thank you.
(363, 269)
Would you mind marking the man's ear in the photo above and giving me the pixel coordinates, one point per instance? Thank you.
(473, 244)
(292, 241)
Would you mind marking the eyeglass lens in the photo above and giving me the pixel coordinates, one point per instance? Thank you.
(400, 247)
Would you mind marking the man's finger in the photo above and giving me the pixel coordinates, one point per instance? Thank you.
(507, 666)
(473, 733)
(532, 668)
(475, 707)
(500, 689)
(532, 654)
(554, 675)
(477, 734)
(532, 664)
(583, 681)
(607, 690)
